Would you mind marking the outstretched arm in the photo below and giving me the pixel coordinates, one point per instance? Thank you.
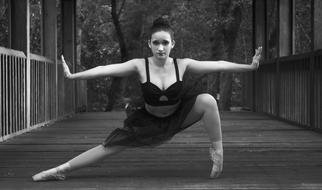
(202, 67)
(117, 70)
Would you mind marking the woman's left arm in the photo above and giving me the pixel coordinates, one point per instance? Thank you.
(202, 67)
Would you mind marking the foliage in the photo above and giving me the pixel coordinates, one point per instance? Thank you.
(4, 29)
(35, 26)
(195, 24)
(201, 32)
(303, 29)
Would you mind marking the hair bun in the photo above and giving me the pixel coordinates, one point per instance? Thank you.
(161, 21)
(161, 24)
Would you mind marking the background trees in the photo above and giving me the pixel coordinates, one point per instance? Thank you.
(204, 30)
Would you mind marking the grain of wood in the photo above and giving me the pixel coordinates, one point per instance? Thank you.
(260, 153)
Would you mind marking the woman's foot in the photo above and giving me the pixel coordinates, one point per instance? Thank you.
(51, 174)
(217, 157)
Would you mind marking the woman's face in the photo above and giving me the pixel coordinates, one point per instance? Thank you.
(161, 44)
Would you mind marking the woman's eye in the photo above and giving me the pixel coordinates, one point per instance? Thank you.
(155, 43)
(165, 43)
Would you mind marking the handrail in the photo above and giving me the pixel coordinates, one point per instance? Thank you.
(12, 52)
(293, 57)
(34, 93)
(290, 88)
(13, 95)
(40, 58)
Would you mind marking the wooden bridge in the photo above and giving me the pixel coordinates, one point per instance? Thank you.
(275, 146)
(259, 153)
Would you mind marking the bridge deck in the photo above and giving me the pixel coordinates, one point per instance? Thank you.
(260, 153)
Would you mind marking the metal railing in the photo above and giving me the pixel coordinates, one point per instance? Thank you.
(42, 90)
(51, 95)
(291, 89)
(13, 92)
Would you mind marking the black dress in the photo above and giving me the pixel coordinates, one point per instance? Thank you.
(144, 129)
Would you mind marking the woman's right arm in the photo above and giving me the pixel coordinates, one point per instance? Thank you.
(115, 70)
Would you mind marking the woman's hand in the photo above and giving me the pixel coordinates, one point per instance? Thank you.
(256, 58)
(67, 73)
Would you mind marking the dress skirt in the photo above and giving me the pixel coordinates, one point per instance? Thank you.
(144, 129)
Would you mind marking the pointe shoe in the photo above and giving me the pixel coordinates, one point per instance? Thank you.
(52, 174)
(217, 158)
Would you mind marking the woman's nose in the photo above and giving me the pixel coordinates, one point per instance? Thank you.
(160, 47)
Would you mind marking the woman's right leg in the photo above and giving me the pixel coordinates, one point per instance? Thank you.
(93, 155)
(85, 159)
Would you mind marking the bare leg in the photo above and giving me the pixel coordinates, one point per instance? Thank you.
(87, 158)
(206, 109)
(92, 156)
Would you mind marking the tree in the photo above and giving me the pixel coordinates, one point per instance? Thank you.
(212, 37)
(226, 33)
(117, 82)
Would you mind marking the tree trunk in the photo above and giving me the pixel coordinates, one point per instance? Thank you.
(117, 85)
(230, 33)
(224, 40)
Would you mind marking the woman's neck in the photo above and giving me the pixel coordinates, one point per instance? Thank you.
(160, 62)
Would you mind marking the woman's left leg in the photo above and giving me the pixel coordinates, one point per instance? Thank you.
(85, 159)
(206, 109)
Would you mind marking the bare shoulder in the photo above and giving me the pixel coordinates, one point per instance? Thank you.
(138, 62)
(185, 62)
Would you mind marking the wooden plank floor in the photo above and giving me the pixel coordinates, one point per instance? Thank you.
(259, 153)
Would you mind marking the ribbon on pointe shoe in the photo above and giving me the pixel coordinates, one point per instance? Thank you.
(52, 174)
(217, 158)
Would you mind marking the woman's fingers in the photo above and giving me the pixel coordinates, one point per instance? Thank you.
(66, 68)
(258, 51)
(62, 58)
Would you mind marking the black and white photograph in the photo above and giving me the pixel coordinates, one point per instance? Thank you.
(167, 94)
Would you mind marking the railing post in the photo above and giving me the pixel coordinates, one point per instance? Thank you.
(285, 27)
(285, 16)
(317, 39)
(49, 36)
(69, 33)
(20, 39)
(259, 26)
(277, 87)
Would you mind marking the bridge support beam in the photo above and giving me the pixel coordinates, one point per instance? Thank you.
(49, 39)
(20, 39)
(69, 46)
(285, 27)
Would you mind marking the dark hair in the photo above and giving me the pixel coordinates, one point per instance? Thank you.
(161, 24)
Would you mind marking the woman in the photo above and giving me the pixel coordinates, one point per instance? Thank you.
(168, 107)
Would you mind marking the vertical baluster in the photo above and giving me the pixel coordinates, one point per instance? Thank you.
(37, 89)
(46, 93)
(297, 91)
(319, 93)
(10, 85)
(35, 92)
(25, 93)
(43, 90)
(1, 96)
(14, 93)
(289, 94)
(18, 94)
(41, 80)
(6, 107)
(294, 109)
(32, 90)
